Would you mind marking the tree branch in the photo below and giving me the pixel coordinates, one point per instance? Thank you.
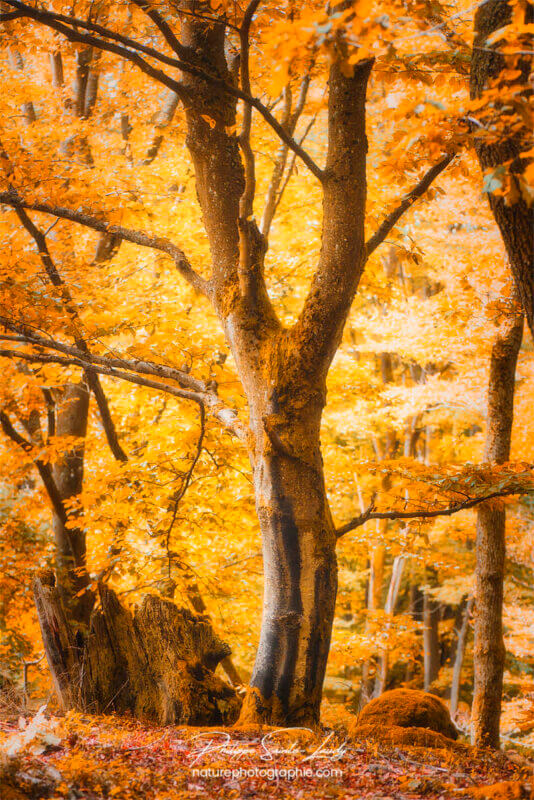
(178, 496)
(356, 522)
(246, 202)
(135, 237)
(131, 50)
(190, 388)
(30, 336)
(320, 324)
(61, 23)
(407, 201)
(164, 28)
(44, 469)
(289, 121)
(92, 378)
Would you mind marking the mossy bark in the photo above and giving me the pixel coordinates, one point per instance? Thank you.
(300, 572)
(282, 370)
(156, 663)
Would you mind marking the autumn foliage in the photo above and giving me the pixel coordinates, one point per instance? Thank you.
(264, 275)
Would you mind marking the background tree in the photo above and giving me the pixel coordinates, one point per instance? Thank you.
(501, 66)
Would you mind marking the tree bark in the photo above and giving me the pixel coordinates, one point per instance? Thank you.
(283, 372)
(490, 543)
(72, 408)
(197, 601)
(300, 568)
(157, 664)
(515, 219)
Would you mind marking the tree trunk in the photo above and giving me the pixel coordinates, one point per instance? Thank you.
(72, 578)
(490, 545)
(430, 640)
(459, 657)
(389, 608)
(157, 664)
(374, 596)
(300, 573)
(283, 371)
(515, 219)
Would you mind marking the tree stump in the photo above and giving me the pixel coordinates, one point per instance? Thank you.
(156, 663)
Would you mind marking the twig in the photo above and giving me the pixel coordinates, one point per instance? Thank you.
(440, 512)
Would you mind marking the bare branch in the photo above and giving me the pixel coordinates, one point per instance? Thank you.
(72, 361)
(128, 48)
(289, 171)
(247, 198)
(102, 226)
(44, 468)
(407, 201)
(289, 121)
(28, 335)
(178, 496)
(164, 28)
(356, 522)
(11, 15)
(129, 370)
(92, 378)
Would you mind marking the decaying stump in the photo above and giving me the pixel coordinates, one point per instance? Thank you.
(157, 663)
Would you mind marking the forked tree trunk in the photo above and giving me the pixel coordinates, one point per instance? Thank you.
(283, 371)
(490, 545)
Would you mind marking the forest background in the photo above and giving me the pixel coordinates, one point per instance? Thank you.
(405, 424)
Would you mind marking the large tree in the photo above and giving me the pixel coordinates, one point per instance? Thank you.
(203, 57)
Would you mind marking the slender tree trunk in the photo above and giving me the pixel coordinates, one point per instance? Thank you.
(490, 545)
(389, 608)
(374, 597)
(459, 657)
(72, 408)
(16, 62)
(415, 602)
(430, 640)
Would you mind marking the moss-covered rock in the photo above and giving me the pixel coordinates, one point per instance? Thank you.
(415, 711)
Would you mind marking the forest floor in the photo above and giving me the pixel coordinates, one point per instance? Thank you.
(89, 757)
